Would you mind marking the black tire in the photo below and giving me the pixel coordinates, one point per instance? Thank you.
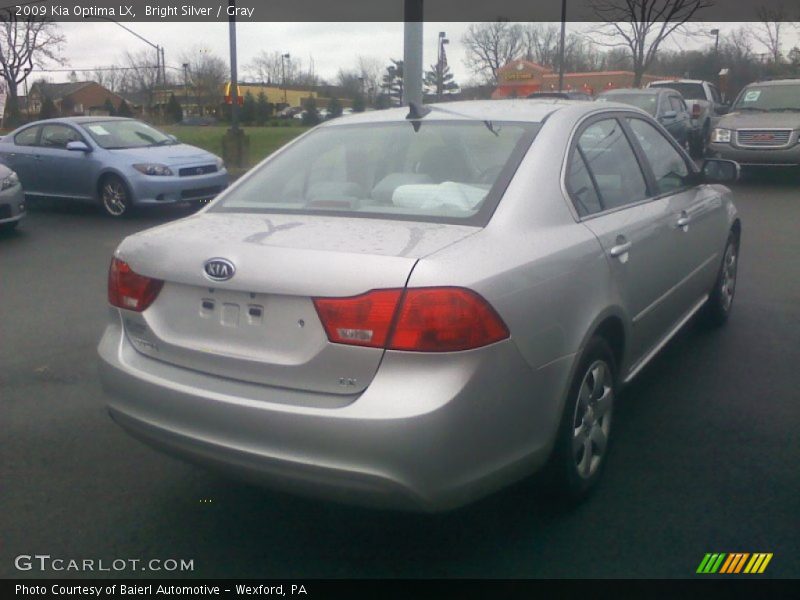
(585, 424)
(115, 198)
(720, 300)
(699, 141)
(8, 227)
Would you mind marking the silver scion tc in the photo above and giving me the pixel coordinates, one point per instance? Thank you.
(416, 308)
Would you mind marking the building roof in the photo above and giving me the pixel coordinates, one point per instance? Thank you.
(56, 91)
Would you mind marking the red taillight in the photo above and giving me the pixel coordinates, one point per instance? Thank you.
(130, 290)
(360, 320)
(696, 110)
(444, 319)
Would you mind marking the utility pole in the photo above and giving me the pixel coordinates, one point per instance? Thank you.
(561, 45)
(715, 33)
(440, 66)
(186, 84)
(412, 52)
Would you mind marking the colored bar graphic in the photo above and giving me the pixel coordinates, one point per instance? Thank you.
(734, 563)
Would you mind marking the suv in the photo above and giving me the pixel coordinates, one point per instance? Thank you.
(705, 104)
(763, 127)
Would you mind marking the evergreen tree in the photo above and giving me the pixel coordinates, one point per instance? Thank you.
(393, 81)
(123, 110)
(358, 103)
(263, 108)
(174, 109)
(248, 113)
(431, 78)
(310, 115)
(334, 108)
(48, 110)
(108, 105)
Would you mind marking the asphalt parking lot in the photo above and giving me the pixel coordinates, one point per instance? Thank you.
(706, 455)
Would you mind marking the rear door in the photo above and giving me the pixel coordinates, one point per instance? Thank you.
(610, 192)
(696, 214)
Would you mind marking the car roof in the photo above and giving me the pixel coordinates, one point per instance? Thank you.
(775, 82)
(663, 82)
(646, 91)
(532, 110)
(78, 120)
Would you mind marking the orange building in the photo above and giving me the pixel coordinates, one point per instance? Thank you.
(519, 78)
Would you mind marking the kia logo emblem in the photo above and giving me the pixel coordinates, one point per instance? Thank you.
(219, 269)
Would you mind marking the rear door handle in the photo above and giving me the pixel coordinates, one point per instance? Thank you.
(683, 221)
(620, 249)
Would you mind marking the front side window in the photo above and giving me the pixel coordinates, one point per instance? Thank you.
(443, 170)
(58, 136)
(669, 168)
(27, 137)
(612, 163)
(677, 104)
(115, 135)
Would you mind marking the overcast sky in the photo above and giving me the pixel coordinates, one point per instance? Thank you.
(332, 45)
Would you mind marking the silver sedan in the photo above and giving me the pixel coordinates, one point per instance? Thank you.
(414, 308)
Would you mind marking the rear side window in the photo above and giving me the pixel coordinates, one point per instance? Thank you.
(58, 136)
(27, 137)
(669, 167)
(611, 164)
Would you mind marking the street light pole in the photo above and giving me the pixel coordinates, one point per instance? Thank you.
(440, 66)
(186, 83)
(715, 33)
(234, 70)
(283, 73)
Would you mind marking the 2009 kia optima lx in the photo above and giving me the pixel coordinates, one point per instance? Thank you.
(415, 308)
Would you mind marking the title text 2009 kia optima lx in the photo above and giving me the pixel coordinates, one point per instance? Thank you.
(415, 308)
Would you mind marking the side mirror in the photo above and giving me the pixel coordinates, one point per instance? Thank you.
(172, 137)
(670, 114)
(77, 146)
(718, 170)
(722, 109)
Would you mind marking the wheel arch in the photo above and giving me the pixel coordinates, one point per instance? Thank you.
(104, 174)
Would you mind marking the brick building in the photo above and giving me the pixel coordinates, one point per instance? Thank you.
(519, 78)
(73, 98)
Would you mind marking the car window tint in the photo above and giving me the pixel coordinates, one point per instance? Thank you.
(613, 164)
(715, 93)
(669, 167)
(26, 137)
(57, 136)
(581, 187)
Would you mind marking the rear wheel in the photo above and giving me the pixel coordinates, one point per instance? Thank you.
(582, 443)
(720, 300)
(11, 226)
(114, 197)
(699, 141)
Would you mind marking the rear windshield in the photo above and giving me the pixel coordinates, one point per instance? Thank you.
(445, 171)
(690, 91)
(647, 102)
(771, 98)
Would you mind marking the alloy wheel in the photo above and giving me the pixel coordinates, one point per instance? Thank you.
(728, 279)
(592, 419)
(115, 198)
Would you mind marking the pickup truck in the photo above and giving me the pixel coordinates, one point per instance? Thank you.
(705, 106)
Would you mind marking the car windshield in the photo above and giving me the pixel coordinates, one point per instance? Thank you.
(114, 135)
(690, 91)
(769, 98)
(647, 102)
(440, 171)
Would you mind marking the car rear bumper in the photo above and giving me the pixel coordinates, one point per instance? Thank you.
(165, 190)
(12, 204)
(431, 432)
(784, 157)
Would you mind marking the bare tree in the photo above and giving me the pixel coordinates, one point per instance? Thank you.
(641, 26)
(541, 43)
(490, 46)
(769, 29)
(370, 69)
(25, 44)
(207, 76)
(109, 77)
(140, 75)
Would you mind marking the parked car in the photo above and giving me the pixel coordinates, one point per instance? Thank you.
(415, 307)
(763, 127)
(120, 163)
(561, 95)
(705, 105)
(666, 105)
(289, 112)
(12, 199)
(199, 121)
